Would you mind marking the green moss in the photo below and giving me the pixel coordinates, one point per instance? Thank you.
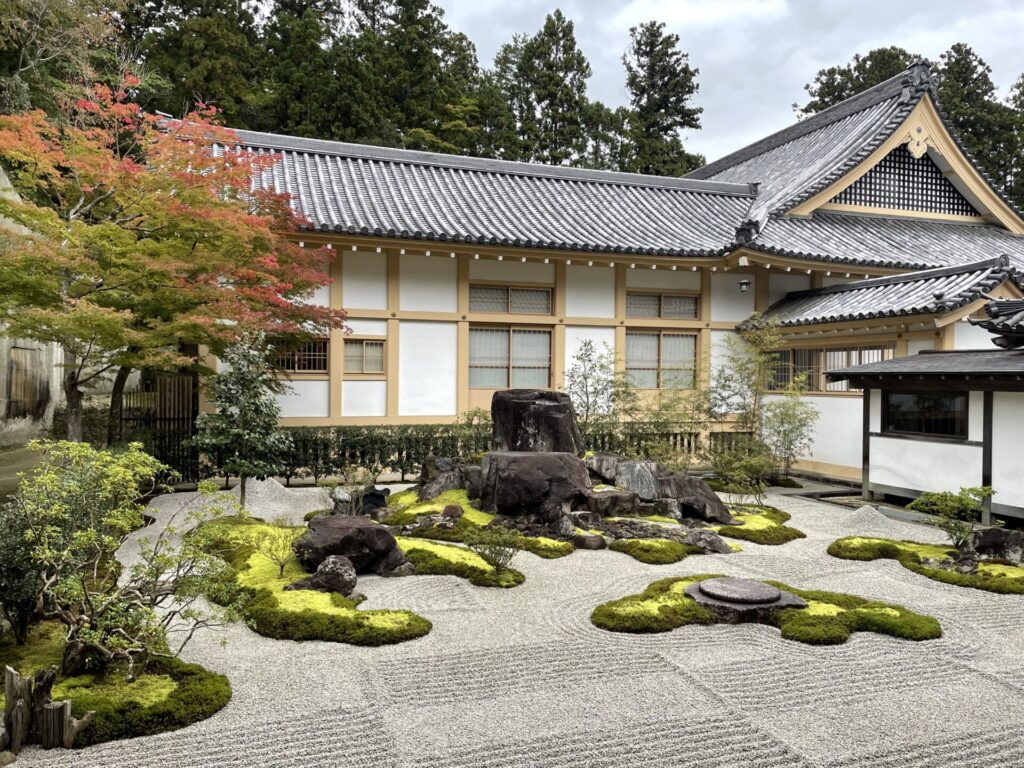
(167, 695)
(829, 618)
(991, 577)
(445, 559)
(408, 508)
(655, 551)
(305, 614)
(658, 519)
(542, 546)
(761, 525)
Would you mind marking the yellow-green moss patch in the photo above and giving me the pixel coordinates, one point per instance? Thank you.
(655, 551)
(760, 525)
(431, 558)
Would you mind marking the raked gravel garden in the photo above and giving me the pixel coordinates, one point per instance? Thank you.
(522, 676)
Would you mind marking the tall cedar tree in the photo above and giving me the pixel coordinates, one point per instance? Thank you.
(661, 85)
(989, 128)
(120, 252)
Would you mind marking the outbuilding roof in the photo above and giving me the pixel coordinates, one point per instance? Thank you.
(918, 293)
(931, 365)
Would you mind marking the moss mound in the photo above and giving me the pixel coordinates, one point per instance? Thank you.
(829, 618)
(761, 525)
(431, 558)
(169, 694)
(303, 614)
(655, 551)
(1005, 579)
(409, 509)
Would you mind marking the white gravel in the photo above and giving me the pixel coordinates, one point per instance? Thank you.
(521, 678)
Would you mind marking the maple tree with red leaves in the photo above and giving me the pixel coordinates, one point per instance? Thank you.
(131, 236)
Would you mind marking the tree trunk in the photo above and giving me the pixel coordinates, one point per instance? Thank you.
(19, 625)
(241, 492)
(30, 717)
(116, 400)
(73, 661)
(72, 396)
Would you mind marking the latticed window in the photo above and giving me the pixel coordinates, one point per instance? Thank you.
(904, 182)
(808, 366)
(308, 357)
(661, 360)
(498, 299)
(663, 305)
(364, 356)
(509, 357)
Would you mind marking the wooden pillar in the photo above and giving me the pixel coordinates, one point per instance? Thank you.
(620, 317)
(986, 452)
(558, 333)
(761, 290)
(866, 448)
(394, 300)
(462, 337)
(336, 348)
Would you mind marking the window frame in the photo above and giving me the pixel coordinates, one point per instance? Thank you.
(695, 295)
(661, 369)
(363, 373)
(294, 355)
(886, 431)
(816, 383)
(509, 288)
(510, 329)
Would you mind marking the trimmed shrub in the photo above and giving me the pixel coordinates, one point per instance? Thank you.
(430, 563)
(655, 551)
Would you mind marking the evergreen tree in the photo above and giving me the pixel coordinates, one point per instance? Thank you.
(835, 84)
(661, 84)
(608, 137)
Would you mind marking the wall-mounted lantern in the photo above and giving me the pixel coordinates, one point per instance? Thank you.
(744, 285)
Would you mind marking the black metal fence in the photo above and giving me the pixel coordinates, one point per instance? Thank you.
(161, 414)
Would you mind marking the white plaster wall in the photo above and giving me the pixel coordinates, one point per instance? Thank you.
(976, 416)
(589, 292)
(427, 356)
(512, 271)
(364, 283)
(728, 303)
(924, 466)
(368, 327)
(837, 433)
(719, 348)
(919, 345)
(364, 398)
(967, 336)
(427, 283)
(575, 335)
(679, 280)
(307, 399)
(781, 284)
(1007, 456)
(875, 417)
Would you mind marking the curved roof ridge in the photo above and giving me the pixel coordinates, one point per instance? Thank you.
(281, 142)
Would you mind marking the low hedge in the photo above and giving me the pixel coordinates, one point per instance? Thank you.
(775, 534)
(860, 548)
(199, 694)
(655, 551)
(829, 618)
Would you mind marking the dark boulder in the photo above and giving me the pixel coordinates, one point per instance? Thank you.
(453, 511)
(589, 541)
(611, 502)
(708, 540)
(735, 600)
(602, 466)
(335, 574)
(543, 484)
(369, 546)
(999, 542)
(651, 481)
(440, 474)
(374, 499)
(535, 420)
(640, 477)
(474, 475)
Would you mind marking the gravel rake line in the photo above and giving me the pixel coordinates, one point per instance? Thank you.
(700, 741)
(476, 675)
(987, 749)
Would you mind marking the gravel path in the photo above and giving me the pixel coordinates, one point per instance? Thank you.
(521, 678)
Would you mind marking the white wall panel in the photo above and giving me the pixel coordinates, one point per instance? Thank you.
(427, 356)
(589, 292)
(575, 335)
(427, 283)
(307, 399)
(680, 280)
(728, 303)
(364, 280)
(967, 336)
(975, 416)
(1007, 457)
(837, 433)
(511, 271)
(919, 345)
(924, 466)
(781, 284)
(364, 398)
(368, 327)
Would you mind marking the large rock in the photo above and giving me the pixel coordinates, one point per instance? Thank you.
(440, 474)
(373, 499)
(342, 501)
(650, 481)
(602, 466)
(368, 545)
(335, 574)
(735, 600)
(546, 485)
(999, 542)
(708, 540)
(474, 474)
(535, 420)
(611, 502)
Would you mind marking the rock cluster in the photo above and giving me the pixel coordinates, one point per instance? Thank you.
(535, 421)
(335, 574)
(370, 547)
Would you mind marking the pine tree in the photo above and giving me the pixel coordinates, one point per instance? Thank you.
(661, 84)
(835, 84)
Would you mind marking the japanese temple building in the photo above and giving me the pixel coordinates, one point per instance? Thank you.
(866, 230)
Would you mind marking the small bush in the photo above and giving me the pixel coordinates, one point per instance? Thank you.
(655, 551)
(430, 563)
(955, 513)
(496, 545)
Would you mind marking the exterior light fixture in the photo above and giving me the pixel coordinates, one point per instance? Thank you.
(744, 285)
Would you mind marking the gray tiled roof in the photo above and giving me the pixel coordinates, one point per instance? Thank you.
(400, 193)
(1005, 318)
(889, 242)
(917, 293)
(973, 362)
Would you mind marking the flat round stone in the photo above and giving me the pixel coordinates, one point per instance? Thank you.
(746, 591)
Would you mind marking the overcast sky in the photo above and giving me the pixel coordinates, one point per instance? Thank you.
(754, 56)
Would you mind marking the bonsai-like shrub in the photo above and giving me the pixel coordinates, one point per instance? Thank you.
(274, 542)
(956, 513)
(495, 544)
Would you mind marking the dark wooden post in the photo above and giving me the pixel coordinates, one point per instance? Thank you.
(986, 453)
(866, 448)
(30, 717)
